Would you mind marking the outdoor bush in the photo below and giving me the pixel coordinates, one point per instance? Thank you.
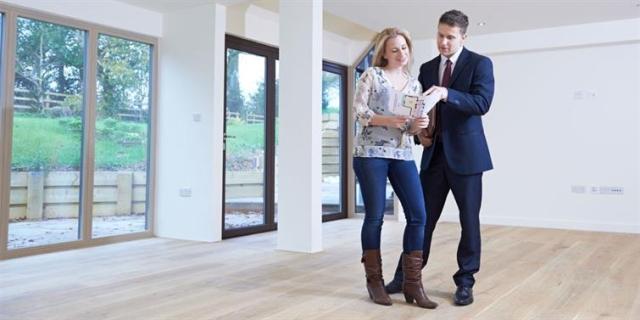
(107, 128)
(73, 103)
(72, 124)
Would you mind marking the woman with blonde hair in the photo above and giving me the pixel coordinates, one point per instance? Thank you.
(382, 150)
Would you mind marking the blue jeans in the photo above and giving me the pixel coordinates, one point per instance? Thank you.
(372, 175)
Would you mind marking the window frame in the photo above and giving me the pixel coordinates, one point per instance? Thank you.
(9, 42)
(272, 55)
(343, 72)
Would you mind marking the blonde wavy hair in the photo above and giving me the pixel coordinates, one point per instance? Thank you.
(380, 42)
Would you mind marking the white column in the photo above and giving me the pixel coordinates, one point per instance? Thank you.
(190, 124)
(300, 138)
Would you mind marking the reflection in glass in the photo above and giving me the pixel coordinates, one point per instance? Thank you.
(46, 154)
(245, 140)
(331, 143)
(121, 137)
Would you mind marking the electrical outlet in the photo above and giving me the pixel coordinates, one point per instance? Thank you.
(185, 192)
(584, 95)
(578, 189)
(612, 190)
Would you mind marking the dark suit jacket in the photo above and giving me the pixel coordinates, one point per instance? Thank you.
(470, 94)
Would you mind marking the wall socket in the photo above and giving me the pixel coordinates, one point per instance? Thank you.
(578, 189)
(611, 190)
(185, 192)
(584, 95)
(615, 190)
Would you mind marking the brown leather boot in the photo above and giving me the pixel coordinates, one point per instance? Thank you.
(412, 282)
(375, 283)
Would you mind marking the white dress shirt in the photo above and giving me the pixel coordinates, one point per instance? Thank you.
(443, 63)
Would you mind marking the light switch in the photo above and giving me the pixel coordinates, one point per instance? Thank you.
(185, 192)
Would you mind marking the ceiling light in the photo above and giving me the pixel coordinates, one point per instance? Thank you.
(482, 24)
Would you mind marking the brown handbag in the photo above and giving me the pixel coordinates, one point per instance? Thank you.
(426, 135)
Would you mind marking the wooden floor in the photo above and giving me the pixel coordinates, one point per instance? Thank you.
(526, 274)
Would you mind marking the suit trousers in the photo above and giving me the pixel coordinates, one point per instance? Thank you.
(437, 180)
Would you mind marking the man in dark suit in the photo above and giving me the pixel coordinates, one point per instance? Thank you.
(455, 149)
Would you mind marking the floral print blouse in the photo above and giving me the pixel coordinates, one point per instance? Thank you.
(373, 92)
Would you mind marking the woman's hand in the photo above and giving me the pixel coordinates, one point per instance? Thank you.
(419, 124)
(398, 122)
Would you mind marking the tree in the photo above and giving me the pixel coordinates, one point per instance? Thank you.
(234, 97)
(124, 70)
(257, 101)
(330, 82)
(49, 58)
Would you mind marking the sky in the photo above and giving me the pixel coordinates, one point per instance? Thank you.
(251, 72)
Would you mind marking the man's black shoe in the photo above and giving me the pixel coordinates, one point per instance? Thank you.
(463, 296)
(395, 286)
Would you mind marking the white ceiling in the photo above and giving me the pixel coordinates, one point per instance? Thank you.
(420, 16)
(173, 5)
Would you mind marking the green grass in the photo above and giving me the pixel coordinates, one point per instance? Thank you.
(55, 144)
(247, 138)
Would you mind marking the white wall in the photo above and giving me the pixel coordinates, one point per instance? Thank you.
(189, 151)
(565, 113)
(423, 51)
(105, 12)
(262, 25)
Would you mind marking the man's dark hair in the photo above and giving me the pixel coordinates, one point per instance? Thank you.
(455, 18)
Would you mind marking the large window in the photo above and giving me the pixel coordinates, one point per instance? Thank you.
(251, 126)
(46, 153)
(122, 136)
(249, 138)
(76, 139)
(334, 97)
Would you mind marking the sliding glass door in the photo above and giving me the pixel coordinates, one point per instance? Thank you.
(46, 154)
(76, 144)
(334, 106)
(249, 143)
(250, 140)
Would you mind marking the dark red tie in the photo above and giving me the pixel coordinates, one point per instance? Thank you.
(446, 76)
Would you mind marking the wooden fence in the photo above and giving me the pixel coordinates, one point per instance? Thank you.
(250, 184)
(330, 144)
(55, 102)
(56, 194)
(250, 118)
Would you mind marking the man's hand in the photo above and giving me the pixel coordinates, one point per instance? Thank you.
(441, 92)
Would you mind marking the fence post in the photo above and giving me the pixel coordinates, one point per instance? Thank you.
(35, 195)
(125, 193)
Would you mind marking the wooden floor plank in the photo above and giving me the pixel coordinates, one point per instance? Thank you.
(526, 273)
